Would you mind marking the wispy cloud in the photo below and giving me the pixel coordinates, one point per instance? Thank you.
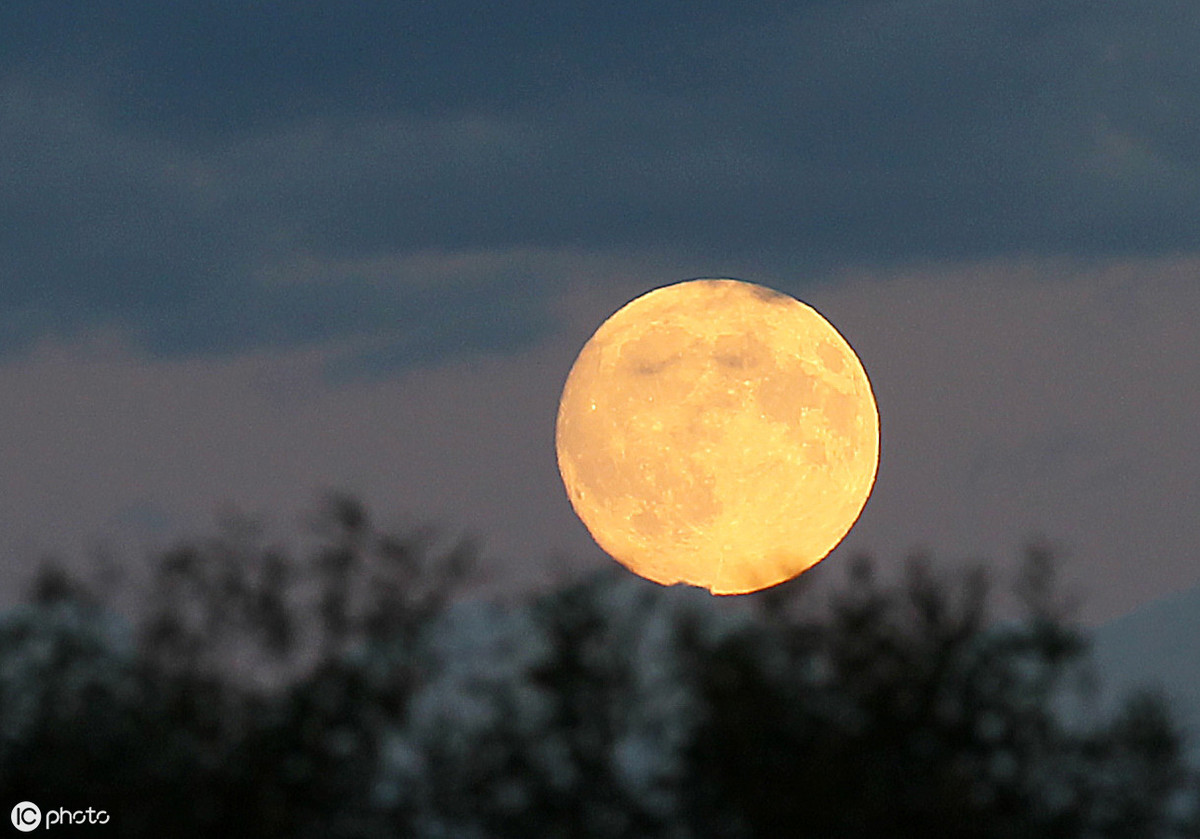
(159, 163)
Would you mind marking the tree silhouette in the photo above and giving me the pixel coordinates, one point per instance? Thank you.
(357, 691)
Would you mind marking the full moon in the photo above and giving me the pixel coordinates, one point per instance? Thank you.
(717, 433)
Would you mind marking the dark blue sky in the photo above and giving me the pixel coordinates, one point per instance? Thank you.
(160, 159)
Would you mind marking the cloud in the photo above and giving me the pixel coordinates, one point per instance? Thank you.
(1035, 397)
(1016, 398)
(190, 254)
(208, 69)
(159, 162)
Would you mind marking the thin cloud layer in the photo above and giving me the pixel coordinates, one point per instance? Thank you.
(160, 162)
(1011, 405)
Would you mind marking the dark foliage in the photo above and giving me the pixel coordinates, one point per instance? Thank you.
(356, 694)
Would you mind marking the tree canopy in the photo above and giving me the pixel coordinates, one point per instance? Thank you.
(358, 691)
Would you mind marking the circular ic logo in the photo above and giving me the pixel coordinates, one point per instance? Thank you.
(26, 816)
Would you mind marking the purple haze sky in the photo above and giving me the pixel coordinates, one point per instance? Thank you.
(252, 251)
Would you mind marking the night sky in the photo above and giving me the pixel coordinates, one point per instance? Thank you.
(250, 251)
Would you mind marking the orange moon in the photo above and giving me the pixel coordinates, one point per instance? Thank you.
(717, 433)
